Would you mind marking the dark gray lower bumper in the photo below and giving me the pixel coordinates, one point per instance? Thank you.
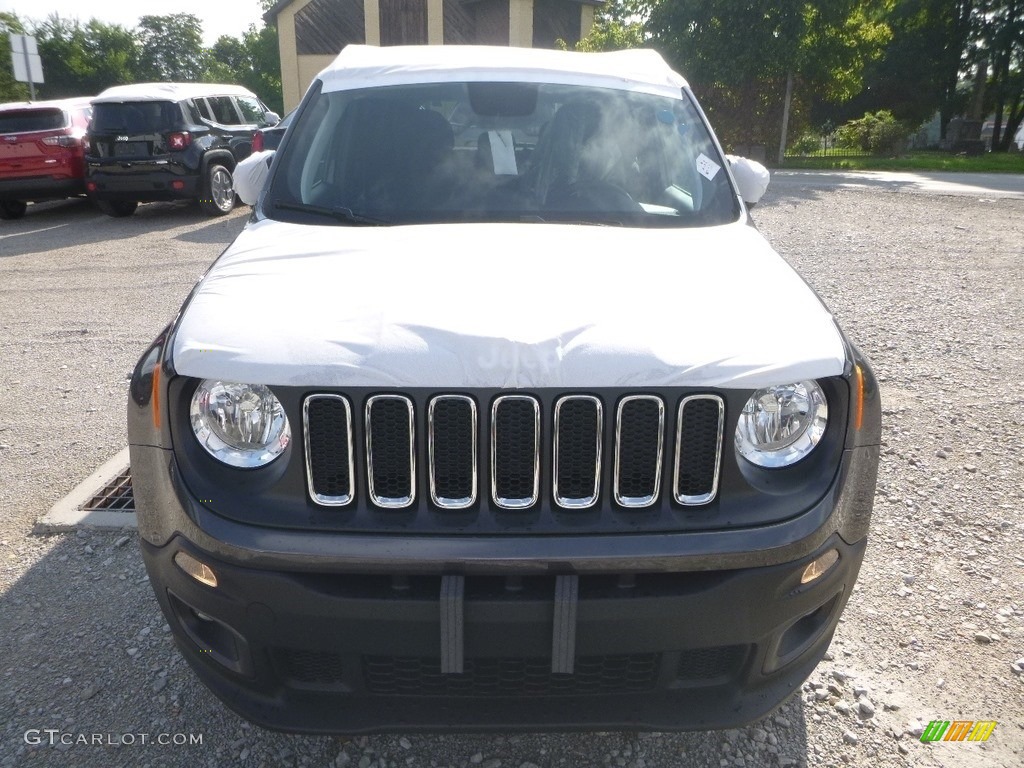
(325, 632)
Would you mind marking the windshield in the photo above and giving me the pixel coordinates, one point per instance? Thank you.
(500, 152)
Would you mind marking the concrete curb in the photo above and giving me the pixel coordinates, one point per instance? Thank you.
(66, 514)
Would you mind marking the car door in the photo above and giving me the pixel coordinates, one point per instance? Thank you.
(235, 130)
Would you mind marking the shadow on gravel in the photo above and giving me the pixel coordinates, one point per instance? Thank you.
(801, 186)
(70, 223)
(217, 231)
(791, 194)
(90, 677)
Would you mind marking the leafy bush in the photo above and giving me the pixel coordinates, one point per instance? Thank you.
(878, 133)
(807, 144)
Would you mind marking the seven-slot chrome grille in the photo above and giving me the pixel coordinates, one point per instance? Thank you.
(530, 454)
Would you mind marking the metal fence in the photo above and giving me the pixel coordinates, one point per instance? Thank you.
(823, 146)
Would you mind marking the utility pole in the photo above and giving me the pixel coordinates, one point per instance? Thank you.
(785, 117)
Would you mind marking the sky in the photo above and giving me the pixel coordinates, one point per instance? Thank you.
(218, 17)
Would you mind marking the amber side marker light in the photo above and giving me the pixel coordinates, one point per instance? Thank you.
(197, 570)
(155, 396)
(858, 414)
(819, 567)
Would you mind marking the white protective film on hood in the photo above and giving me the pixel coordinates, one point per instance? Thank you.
(506, 306)
(363, 66)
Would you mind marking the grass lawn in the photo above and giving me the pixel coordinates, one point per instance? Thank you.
(991, 162)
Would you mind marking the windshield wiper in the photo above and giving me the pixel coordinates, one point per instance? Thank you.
(339, 213)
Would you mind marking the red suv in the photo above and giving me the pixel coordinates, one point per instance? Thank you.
(41, 152)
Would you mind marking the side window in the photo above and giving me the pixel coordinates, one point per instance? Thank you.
(187, 110)
(203, 108)
(223, 110)
(251, 110)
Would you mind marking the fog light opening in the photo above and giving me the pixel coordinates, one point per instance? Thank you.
(819, 567)
(197, 570)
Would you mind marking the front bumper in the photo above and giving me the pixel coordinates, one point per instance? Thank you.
(322, 632)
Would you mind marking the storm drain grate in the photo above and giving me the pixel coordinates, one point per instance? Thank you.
(102, 500)
(115, 496)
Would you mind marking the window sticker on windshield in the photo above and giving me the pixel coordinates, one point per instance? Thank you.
(503, 153)
(707, 167)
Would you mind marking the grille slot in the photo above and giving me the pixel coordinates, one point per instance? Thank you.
(639, 441)
(451, 424)
(698, 448)
(327, 422)
(515, 451)
(709, 664)
(578, 436)
(390, 451)
(415, 676)
(311, 667)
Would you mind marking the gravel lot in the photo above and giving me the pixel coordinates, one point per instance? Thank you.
(930, 287)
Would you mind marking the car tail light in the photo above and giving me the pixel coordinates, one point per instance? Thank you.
(257, 142)
(178, 141)
(62, 141)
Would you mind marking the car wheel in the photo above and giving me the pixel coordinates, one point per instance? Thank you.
(12, 209)
(219, 193)
(117, 208)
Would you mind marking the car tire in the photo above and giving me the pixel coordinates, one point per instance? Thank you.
(218, 191)
(117, 208)
(12, 209)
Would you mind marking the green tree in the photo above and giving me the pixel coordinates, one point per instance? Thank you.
(253, 61)
(739, 55)
(617, 25)
(920, 70)
(1000, 44)
(171, 48)
(83, 60)
(10, 89)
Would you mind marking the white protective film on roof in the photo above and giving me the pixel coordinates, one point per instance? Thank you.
(168, 92)
(363, 66)
(507, 306)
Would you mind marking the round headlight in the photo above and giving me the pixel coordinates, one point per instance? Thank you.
(780, 425)
(242, 425)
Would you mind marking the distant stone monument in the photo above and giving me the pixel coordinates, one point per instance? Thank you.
(963, 136)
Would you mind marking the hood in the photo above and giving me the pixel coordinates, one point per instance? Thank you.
(507, 306)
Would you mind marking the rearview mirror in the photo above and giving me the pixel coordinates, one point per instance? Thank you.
(271, 118)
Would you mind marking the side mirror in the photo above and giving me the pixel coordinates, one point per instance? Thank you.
(751, 177)
(251, 174)
(271, 118)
